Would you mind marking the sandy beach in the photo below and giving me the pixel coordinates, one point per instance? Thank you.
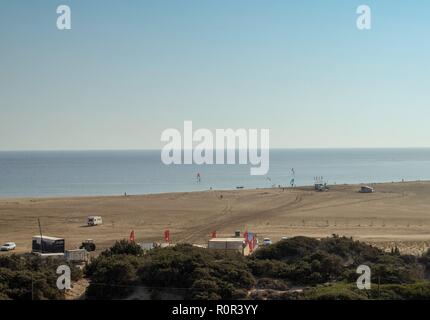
(396, 214)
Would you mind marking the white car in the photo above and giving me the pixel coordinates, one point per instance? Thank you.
(8, 246)
(267, 241)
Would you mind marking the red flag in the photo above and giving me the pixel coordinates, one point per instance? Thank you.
(167, 235)
(245, 235)
(132, 236)
(252, 243)
(213, 234)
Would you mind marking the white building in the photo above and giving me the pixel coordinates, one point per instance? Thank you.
(233, 244)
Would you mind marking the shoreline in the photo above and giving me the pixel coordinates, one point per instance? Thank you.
(298, 187)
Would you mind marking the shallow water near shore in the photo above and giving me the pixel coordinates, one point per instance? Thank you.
(78, 173)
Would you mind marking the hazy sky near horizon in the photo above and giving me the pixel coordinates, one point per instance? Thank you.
(130, 69)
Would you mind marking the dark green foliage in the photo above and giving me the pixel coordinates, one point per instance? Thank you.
(344, 291)
(289, 250)
(124, 247)
(334, 292)
(326, 268)
(273, 284)
(308, 261)
(414, 291)
(25, 277)
(349, 250)
(197, 273)
(394, 271)
(112, 277)
(205, 289)
(296, 248)
(113, 273)
(425, 261)
(269, 268)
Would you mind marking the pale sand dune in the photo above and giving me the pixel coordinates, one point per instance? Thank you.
(396, 214)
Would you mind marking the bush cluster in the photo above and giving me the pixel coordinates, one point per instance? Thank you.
(26, 277)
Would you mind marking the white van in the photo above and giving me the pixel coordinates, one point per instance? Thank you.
(94, 221)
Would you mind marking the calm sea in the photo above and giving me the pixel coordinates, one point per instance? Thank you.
(70, 173)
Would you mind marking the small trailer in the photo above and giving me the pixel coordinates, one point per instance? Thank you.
(94, 221)
(77, 255)
(146, 246)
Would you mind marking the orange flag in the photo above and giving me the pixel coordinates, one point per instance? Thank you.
(132, 236)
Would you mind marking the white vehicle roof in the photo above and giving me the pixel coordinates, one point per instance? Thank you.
(47, 238)
(9, 243)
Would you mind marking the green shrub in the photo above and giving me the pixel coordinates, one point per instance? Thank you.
(25, 277)
(334, 292)
(124, 247)
(328, 264)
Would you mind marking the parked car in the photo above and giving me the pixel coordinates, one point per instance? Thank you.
(8, 246)
(267, 242)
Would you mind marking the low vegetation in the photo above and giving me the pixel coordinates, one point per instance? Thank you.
(26, 277)
(305, 261)
(195, 273)
(296, 268)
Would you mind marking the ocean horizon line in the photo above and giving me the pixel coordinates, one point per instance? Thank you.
(270, 149)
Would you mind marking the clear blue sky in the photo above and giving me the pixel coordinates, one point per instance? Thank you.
(129, 69)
